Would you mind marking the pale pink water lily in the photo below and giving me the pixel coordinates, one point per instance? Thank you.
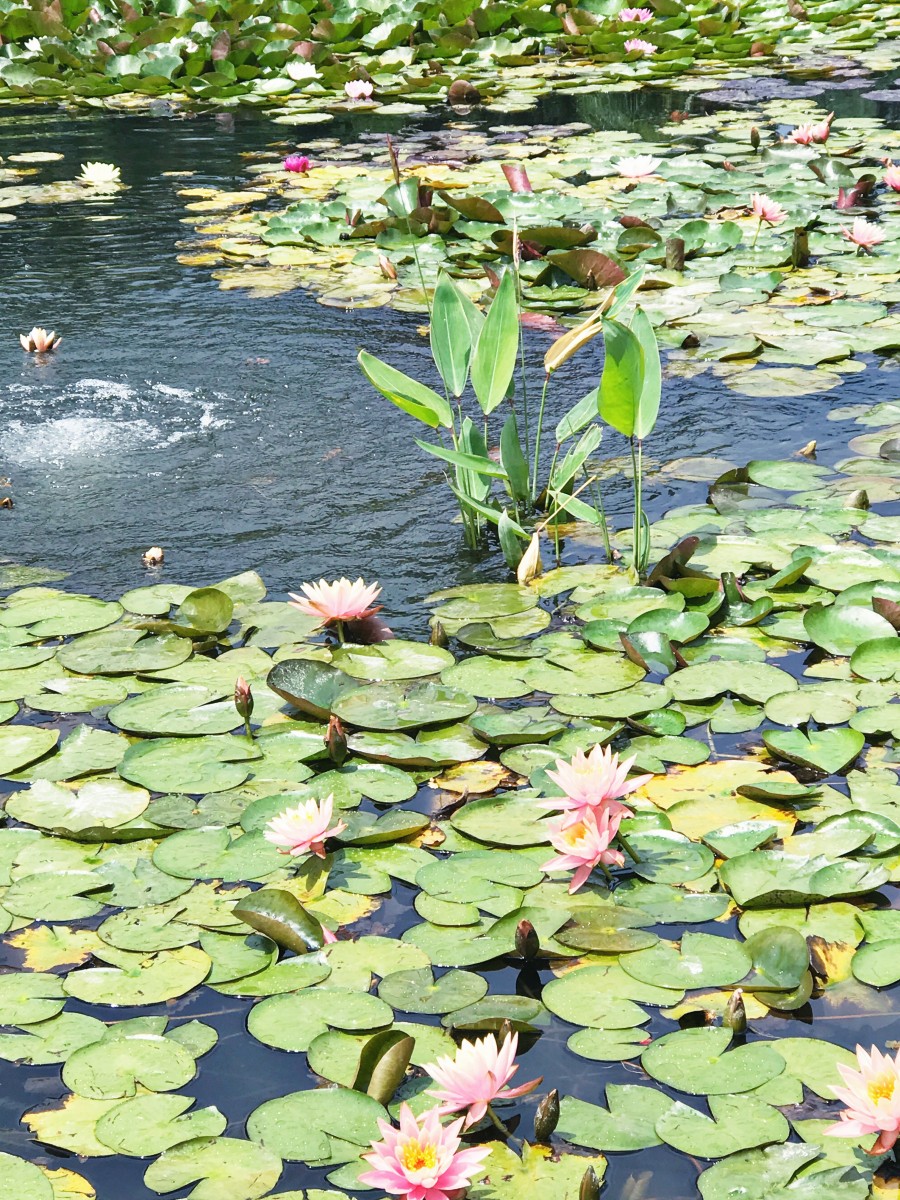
(863, 234)
(422, 1160)
(768, 210)
(597, 780)
(296, 162)
(640, 46)
(358, 89)
(812, 132)
(892, 177)
(338, 601)
(872, 1097)
(477, 1076)
(637, 166)
(636, 14)
(304, 829)
(584, 844)
(299, 70)
(39, 341)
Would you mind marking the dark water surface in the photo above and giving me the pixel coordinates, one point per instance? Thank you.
(155, 423)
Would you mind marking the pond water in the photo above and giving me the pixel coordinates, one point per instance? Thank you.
(237, 433)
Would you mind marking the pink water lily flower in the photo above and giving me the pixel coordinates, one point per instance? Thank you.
(593, 781)
(636, 14)
(297, 162)
(863, 234)
(477, 1076)
(892, 177)
(767, 209)
(584, 844)
(358, 89)
(812, 132)
(421, 1160)
(304, 829)
(872, 1097)
(636, 166)
(39, 341)
(337, 601)
(640, 46)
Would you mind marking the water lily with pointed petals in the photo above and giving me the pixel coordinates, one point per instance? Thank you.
(358, 89)
(296, 162)
(593, 781)
(477, 1076)
(39, 341)
(863, 234)
(422, 1160)
(767, 209)
(639, 45)
(299, 70)
(812, 132)
(103, 176)
(584, 844)
(304, 829)
(892, 177)
(872, 1097)
(636, 166)
(636, 14)
(338, 601)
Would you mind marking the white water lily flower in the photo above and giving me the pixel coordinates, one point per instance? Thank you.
(637, 165)
(100, 175)
(300, 70)
(33, 45)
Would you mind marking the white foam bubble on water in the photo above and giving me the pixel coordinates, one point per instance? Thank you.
(61, 440)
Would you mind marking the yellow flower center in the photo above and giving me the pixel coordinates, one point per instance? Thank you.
(416, 1157)
(882, 1087)
(573, 835)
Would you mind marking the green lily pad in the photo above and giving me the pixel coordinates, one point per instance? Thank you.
(222, 1169)
(28, 998)
(738, 1123)
(152, 980)
(830, 751)
(699, 1061)
(22, 744)
(776, 1173)
(24, 1179)
(195, 766)
(291, 1022)
(122, 652)
(395, 706)
(628, 1123)
(147, 1125)
(418, 991)
(114, 1067)
(703, 960)
(319, 1127)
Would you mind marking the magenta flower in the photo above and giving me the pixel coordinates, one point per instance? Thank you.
(297, 162)
(339, 601)
(584, 844)
(640, 46)
(892, 177)
(304, 829)
(863, 234)
(477, 1076)
(421, 1160)
(872, 1097)
(766, 209)
(358, 89)
(594, 781)
(636, 14)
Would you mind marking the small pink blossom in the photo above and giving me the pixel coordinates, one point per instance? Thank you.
(421, 1160)
(812, 132)
(477, 1076)
(636, 166)
(892, 177)
(863, 234)
(639, 15)
(338, 601)
(766, 209)
(584, 844)
(594, 781)
(304, 829)
(297, 162)
(358, 89)
(872, 1097)
(640, 46)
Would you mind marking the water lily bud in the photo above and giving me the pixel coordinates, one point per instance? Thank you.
(388, 270)
(857, 499)
(153, 557)
(530, 565)
(505, 1031)
(754, 137)
(438, 636)
(800, 249)
(243, 699)
(809, 450)
(590, 1185)
(336, 741)
(546, 1117)
(735, 1017)
(675, 254)
(528, 943)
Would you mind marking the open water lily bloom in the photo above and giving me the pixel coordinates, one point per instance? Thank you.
(593, 781)
(358, 89)
(872, 1097)
(767, 209)
(422, 1160)
(584, 844)
(863, 234)
(337, 601)
(477, 1076)
(639, 15)
(39, 341)
(892, 177)
(812, 132)
(640, 46)
(304, 829)
(636, 166)
(100, 175)
(297, 163)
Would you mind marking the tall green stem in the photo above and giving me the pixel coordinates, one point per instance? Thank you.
(537, 438)
(521, 336)
(598, 504)
(637, 553)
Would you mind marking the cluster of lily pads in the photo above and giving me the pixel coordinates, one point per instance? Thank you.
(263, 53)
(135, 867)
(724, 289)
